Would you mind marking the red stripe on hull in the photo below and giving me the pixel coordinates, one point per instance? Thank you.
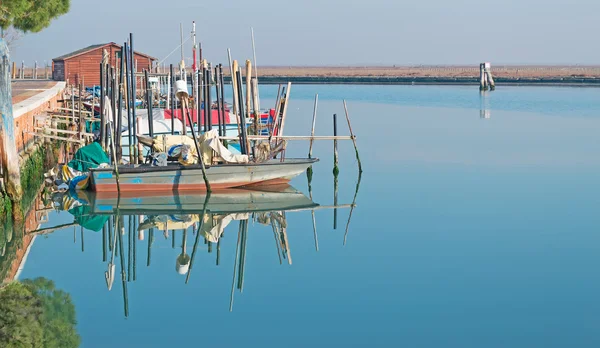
(182, 187)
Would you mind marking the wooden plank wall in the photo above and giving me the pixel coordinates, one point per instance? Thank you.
(86, 67)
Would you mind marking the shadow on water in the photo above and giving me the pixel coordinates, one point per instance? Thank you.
(198, 216)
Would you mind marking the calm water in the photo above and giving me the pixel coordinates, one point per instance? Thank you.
(468, 232)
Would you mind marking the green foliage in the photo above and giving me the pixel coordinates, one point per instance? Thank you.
(36, 314)
(20, 317)
(32, 177)
(5, 207)
(31, 15)
(59, 314)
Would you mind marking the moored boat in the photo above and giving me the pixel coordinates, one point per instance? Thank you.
(177, 177)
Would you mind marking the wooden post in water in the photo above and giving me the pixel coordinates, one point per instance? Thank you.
(81, 122)
(482, 80)
(222, 87)
(255, 110)
(488, 74)
(149, 102)
(198, 233)
(285, 106)
(35, 70)
(353, 138)
(335, 147)
(242, 118)
(218, 96)
(122, 257)
(128, 102)
(102, 115)
(208, 100)
(312, 131)
(172, 96)
(8, 147)
(336, 171)
(248, 88)
(133, 69)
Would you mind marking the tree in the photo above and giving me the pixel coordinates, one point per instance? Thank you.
(36, 314)
(59, 320)
(31, 15)
(20, 317)
(11, 36)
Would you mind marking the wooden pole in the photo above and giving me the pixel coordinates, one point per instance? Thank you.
(200, 88)
(314, 222)
(242, 118)
(120, 111)
(353, 137)
(222, 87)
(149, 102)
(208, 100)
(236, 100)
(352, 207)
(172, 97)
(102, 115)
(128, 103)
(248, 88)
(81, 124)
(198, 233)
(218, 96)
(482, 86)
(122, 257)
(314, 120)
(14, 70)
(285, 106)
(232, 69)
(257, 100)
(133, 95)
(200, 159)
(335, 147)
(237, 250)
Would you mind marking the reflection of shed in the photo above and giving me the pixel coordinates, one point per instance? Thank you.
(84, 65)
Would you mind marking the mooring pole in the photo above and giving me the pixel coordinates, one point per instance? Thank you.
(172, 94)
(102, 115)
(133, 95)
(208, 101)
(8, 146)
(314, 120)
(222, 86)
(128, 98)
(335, 147)
(149, 102)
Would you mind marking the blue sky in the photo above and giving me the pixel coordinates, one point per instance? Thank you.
(334, 32)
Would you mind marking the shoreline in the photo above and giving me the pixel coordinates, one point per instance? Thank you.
(426, 80)
(571, 76)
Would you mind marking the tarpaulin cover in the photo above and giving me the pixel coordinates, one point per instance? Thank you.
(86, 219)
(88, 157)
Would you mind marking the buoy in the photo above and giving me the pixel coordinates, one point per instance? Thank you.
(181, 89)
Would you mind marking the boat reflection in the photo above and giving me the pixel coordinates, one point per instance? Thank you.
(198, 215)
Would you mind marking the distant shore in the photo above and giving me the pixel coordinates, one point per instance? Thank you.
(440, 75)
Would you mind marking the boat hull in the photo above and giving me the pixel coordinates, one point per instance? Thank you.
(190, 202)
(176, 178)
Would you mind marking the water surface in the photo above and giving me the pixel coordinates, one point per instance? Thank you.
(476, 226)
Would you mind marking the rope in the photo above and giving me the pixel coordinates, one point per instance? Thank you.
(176, 48)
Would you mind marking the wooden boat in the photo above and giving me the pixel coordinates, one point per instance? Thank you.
(228, 201)
(176, 177)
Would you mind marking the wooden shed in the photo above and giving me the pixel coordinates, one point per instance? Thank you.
(83, 66)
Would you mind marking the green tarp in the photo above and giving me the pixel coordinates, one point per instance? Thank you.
(88, 157)
(86, 219)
